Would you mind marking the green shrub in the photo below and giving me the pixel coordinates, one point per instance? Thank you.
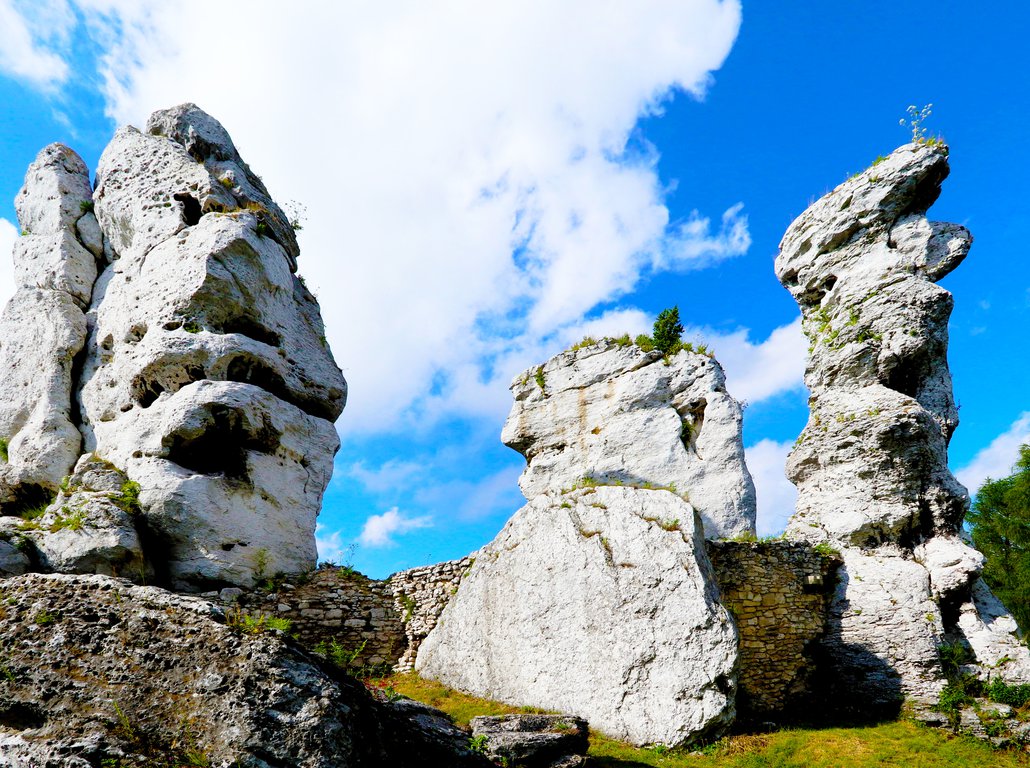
(3, 450)
(1013, 695)
(538, 377)
(236, 619)
(128, 498)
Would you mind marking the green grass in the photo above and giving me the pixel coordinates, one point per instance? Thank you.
(902, 743)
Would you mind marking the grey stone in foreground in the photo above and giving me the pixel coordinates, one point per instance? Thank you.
(600, 602)
(140, 676)
(615, 413)
(534, 741)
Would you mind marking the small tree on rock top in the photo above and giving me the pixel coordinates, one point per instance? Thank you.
(668, 330)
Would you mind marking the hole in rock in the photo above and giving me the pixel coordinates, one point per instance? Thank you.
(191, 212)
(147, 388)
(250, 370)
(246, 326)
(221, 442)
(27, 497)
(692, 418)
(21, 716)
(904, 378)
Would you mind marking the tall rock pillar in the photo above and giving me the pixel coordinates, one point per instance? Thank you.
(871, 465)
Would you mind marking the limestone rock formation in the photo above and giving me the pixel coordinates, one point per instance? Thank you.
(871, 465)
(534, 741)
(614, 413)
(90, 526)
(140, 676)
(43, 328)
(191, 356)
(599, 603)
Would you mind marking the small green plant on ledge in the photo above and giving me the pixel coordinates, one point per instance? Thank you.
(538, 377)
(3, 450)
(915, 120)
(236, 619)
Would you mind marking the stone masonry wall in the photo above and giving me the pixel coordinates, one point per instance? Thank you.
(386, 619)
(422, 594)
(779, 593)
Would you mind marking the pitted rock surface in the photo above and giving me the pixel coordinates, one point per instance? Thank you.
(871, 465)
(618, 414)
(599, 602)
(43, 328)
(140, 676)
(199, 367)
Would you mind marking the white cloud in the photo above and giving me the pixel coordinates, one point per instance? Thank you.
(379, 529)
(390, 475)
(465, 166)
(777, 496)
(26, 31)
(8, 234)
(758, 371)
(331, 546)
(997, 459)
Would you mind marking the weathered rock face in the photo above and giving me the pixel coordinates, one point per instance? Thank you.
(871, 465)
(617, 414)
(599, 603)
(140, 676)
(200, 364)
(43, 327)
(534, 741)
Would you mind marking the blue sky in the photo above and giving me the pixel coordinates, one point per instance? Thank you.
(484, 185)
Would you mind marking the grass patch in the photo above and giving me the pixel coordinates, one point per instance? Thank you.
(902, 743)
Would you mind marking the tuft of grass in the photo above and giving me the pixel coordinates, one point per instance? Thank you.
(242, 622)
(587, 341)
(3, 450)
(538, 377)
(128, 498)
(73, 521)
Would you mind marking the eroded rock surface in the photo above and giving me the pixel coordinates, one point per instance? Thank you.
(871, 465)
(43, 328)
(160, 326)
(599, 603)
(140, 676)
(614, 413)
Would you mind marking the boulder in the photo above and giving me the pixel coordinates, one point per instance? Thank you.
(871, 465)
(611, 412)
(533, 741)
(140, 676)
(91, 525)
(599, 602)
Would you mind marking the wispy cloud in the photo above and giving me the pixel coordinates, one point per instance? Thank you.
(756, 371)
(494, 198)
(28, 32)
(777, 496)
(997, 459)
(379, 530)
(332, 547)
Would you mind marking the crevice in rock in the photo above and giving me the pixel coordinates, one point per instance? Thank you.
(147, 388)
(26, 497)
(222, 444)
(191, 210)
(249, 327)
(692, 417)
(21, 716)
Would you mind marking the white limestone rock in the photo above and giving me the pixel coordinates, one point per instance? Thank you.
(56, 193)
(42, 328)
(41, 331)
(992, 634)
(207, 375)
(232, 480)
(871, 466)
(599, 603)
(618, 414)
(90, 526)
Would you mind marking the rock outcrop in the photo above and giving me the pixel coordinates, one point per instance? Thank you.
(140, 676)
(534, 741)
(612, 413)
(601, 603)
(168, 335)
(871, 465)
(43, 328)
